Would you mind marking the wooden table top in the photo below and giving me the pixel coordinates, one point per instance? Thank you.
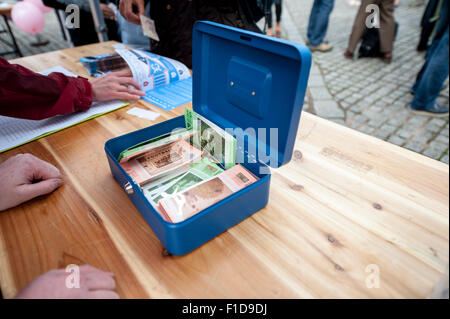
(347, 208)
(6, 8)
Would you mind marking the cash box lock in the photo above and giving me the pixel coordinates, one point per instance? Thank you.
(128, 189)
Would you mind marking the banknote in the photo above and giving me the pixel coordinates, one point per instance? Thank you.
(145, 146)
(219, 145)
(197, 173)
(148, 28)
(181, 206)
(160, 161)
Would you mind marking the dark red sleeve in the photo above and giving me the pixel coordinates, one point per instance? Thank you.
(29, 95)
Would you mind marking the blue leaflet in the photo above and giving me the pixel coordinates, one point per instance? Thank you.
(171, 95)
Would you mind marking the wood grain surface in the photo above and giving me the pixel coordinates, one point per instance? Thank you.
(346, 208)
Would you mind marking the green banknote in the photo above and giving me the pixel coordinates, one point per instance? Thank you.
(218, 144)
(197, 173)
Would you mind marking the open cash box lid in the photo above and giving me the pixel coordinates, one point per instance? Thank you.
(246, 80)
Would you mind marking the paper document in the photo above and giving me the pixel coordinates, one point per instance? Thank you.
(143, 113)
(15, 132)
(166, 82)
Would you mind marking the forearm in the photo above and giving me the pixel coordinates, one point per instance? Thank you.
(29, 95)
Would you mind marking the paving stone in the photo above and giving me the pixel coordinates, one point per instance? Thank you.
(394, 139)
(328, 109)
(420, 139)
(404, 133)
(442, 139)
(433, 153)
(414, 146)
(445, 159)
(439, 146)
(320, 93)
(382, 134)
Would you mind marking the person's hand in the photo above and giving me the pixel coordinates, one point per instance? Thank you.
(24, 177)
(116, 85)
(93, 284)
(108, 13)
(126, 9)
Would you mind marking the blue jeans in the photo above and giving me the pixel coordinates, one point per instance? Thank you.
(318, 21)
(435, 71)
(433, 74)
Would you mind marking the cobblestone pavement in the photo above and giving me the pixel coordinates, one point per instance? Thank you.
(51, 32)
(367, 94)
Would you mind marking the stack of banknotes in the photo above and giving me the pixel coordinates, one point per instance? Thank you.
(183, 172)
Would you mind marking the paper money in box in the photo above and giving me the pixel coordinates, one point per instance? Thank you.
(249, 84)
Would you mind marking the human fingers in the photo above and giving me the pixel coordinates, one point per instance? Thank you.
(42, 169)
(128, 81)
(140, 6)
(129, 90)
(30, 191)
(128, 12)
(121, 73)
(99, 280)
(117, 95)
(103, 294)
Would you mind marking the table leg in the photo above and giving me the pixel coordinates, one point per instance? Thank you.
(11, 34)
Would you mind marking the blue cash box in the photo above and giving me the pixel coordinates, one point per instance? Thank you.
(241, 80)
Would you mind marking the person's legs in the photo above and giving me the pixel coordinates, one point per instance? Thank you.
(442, 26)
(320, 27)
(359, 26)
(313, 18)
(278, 9)
(387, 26)
(269, 20)
(433, 77)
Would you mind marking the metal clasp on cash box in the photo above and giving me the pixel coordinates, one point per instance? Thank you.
(128, 188)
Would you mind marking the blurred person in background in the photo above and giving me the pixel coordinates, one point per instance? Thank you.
(318, 25)
(174, 21)
(86, 33)
(278, 9)
(435, 71)
(386, 28)
(429, 24)
(131, 34)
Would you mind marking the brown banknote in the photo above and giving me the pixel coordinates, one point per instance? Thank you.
(161, 160)
(179, 207)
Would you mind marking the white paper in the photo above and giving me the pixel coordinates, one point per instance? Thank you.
(14, 132)
(142, 113)
(151, 70)
(59, 69)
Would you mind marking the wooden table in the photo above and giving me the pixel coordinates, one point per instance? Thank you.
(347, 207)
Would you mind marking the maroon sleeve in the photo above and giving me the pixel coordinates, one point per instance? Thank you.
(29, 95)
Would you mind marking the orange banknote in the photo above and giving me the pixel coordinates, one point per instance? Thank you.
(179, 207)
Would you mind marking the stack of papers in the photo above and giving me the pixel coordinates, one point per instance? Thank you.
(15, 132)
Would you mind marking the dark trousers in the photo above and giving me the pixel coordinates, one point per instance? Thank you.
(387, 25)
(278, 8)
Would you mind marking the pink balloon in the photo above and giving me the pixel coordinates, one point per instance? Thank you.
(40, 5)
(28, 17)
